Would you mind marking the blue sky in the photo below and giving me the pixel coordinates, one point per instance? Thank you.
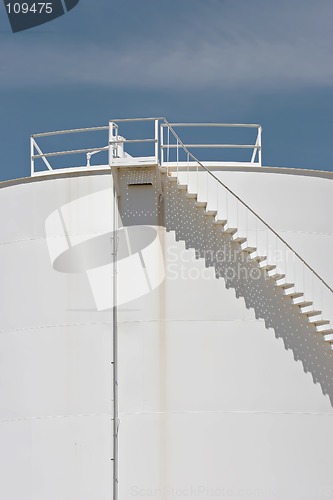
(262, 61)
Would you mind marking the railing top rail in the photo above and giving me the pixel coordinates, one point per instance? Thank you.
(245, 205)
(92, 129)
(121, 120)
(70, 131)
(207, 146)
(239, 125)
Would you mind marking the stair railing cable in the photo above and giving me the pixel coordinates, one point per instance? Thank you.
(233, 194)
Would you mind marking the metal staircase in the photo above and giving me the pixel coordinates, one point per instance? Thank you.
(260, 243)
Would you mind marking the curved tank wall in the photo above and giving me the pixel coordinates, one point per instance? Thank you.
(218, 395)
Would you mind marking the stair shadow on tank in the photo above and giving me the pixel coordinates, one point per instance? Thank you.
(244, 276)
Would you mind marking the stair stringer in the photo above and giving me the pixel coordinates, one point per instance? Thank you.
(210, 242)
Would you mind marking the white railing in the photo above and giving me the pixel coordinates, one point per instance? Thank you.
(160, 139)
(167, 145)
(34, 146)
(115, 145)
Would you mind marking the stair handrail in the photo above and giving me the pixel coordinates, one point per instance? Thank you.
(180, 143)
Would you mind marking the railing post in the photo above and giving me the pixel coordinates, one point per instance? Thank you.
(168, 151)
(32, 160)
(259, 144)
(177, 157)
(162, 144)
(156, 141)
(110, 147)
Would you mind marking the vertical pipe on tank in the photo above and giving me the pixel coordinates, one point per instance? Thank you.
(114, 323)
(115, 348)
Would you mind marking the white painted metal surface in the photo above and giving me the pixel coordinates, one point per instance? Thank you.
(225, 390)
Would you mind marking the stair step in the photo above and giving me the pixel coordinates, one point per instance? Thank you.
(268, 267)
(277, 276)
(248, 249)
(238, 239)
(211, 212)
(172, 178)
(305, 303)
(258, 258)
(327, 331)
(311, 313)
(319, 322)
(191, 195)
(182, 186)
(284, 286)
(220, 222)
(201, 204)
(295, 295)
(230, 230)
(328, 337)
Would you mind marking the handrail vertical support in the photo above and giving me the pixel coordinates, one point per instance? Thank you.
(162, 145)
(110, 143)
(259, 144)
(32, 160)
(156, 141)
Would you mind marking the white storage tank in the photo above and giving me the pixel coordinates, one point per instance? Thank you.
(222, 312)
